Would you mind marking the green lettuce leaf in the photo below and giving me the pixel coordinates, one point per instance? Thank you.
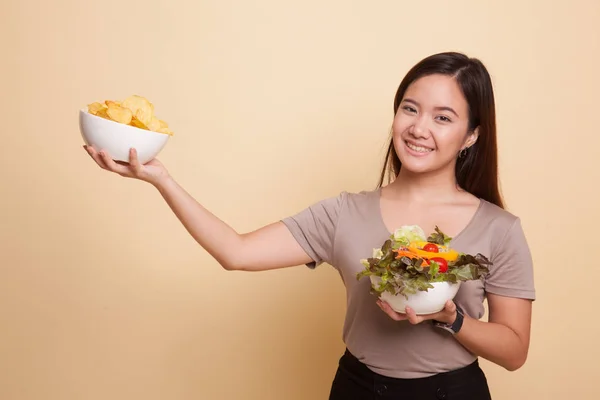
(439, 237)
(407, 234)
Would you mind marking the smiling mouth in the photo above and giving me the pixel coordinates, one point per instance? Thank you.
(418, 149)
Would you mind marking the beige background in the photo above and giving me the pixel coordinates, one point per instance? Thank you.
(275, 105)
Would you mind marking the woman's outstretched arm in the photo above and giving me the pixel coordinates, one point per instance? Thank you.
(268, 247)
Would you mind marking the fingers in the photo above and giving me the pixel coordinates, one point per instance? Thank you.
(111, 165)
(450, 307)
(412, 316)
(409, 313)
(389, 311)
(134, 162)
(107, 163)
(445, 314)
(95, 156)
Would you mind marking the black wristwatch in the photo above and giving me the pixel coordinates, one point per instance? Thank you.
(453, 328)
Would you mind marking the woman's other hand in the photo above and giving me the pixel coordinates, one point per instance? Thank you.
(448, 314)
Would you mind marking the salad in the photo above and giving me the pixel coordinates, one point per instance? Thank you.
(409, 262)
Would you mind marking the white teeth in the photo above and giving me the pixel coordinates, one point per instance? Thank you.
(418, 148)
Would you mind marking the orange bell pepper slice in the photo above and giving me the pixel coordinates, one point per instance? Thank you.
(445, 252)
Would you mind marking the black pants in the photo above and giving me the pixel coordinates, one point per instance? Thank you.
(355, 381)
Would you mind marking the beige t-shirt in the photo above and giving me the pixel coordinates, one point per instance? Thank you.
(344, 229)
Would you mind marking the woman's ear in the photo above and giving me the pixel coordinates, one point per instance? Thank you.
(472, 138)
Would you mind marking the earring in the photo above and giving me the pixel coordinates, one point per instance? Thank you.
(462, 153)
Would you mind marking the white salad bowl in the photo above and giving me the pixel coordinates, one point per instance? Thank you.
(116, 138)
(429, 302)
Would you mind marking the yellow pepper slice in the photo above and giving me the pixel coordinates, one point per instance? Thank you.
(445, 253)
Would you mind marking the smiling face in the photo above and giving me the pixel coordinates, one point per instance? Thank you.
(431, 125)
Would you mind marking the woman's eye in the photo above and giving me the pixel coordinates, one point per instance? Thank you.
(409, 109)
(443, 118)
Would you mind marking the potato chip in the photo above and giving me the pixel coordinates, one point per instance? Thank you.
(95, 107)
(119, 114)
(140, 107)
(165, 131)
(102, 113)
(113, 103)
(135, 111)
(154, 124)
(138, 124)
(164, 127)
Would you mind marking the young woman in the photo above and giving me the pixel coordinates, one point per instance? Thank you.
(442, 165)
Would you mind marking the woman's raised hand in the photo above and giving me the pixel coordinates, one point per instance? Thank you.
(152, 172)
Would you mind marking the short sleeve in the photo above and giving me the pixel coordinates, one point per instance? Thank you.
(314, 228)
(512, 271)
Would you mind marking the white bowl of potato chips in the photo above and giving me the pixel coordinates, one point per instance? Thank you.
(118, 126)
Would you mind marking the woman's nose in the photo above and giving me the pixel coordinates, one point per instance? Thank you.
(419, 128)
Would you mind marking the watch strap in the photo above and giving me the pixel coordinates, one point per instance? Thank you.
(455, 327)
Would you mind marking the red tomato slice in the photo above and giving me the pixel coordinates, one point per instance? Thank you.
(442, 263)
(431, 248)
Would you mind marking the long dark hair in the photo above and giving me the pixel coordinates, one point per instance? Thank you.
(477, 169)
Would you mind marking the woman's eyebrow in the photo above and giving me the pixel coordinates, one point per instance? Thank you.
(442, 108)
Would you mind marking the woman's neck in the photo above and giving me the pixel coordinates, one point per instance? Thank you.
(425, 187)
